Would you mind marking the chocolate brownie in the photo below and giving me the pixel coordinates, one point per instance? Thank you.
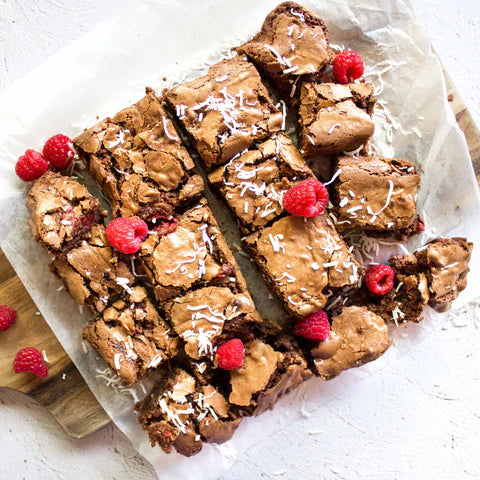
(226, 110)
(357, 336)
(372, 193)
(293, 45)
(61, 212)
(445, 262)
(179, 413)
(304, 260)
(131, 336)
(139, 160)
(93, 273)
(253, 184)
(193, 254)
(335, 118)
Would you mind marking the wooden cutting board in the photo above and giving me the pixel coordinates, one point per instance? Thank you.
(64, 393)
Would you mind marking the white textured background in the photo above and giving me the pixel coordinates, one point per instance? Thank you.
(418, 420)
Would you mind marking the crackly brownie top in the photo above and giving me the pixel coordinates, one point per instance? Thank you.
(357, 336)
(253, 184)
(226, 110)
(93, 272)
(198, 316)
(335, 118)
(131, 336)
(445, 261)
(374, 193)
(138, 158)
(293, 41)
(61, 212)
(195, 252)
(304, 258)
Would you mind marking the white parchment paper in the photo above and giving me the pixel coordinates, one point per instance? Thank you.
(109, 68)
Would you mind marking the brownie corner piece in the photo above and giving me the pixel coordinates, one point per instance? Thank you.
(335, 118)
(131, 337)
(226, 110)
(93, 273)
(61, 212)
(139, 160)
(357, 336)
(253, 184)
(373, 193)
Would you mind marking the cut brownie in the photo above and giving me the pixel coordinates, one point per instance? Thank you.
(373, 193)
(226, 110)
(445, 262)
(93, 273)
(357, 336)
(253, 184)
(335, 118)
(193, 254)
(304, 260)
(131, 336)
(61, 212)
(291, 46)
(180, 413)
(138, 158)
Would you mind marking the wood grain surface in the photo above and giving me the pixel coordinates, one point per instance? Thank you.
(64, 393)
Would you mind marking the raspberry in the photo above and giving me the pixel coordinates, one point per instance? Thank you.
(58, 151)
(126, 234)
(379, 279)
(7, 317)
(314, 326)
(30, 166)
(348, 66)
(307, 199)
(230, 354)
(30, 360)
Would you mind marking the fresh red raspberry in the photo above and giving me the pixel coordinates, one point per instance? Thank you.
(58, 151)
(7, 317)
(314, 326)
(379, 279)
(307, 199)
(30, 360)
(230, 354)
(126, 234)
(348, 66)
(30, 166)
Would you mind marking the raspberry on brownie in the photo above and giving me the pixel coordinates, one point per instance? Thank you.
(226, 110)
(357, 336)
(93, 273)
(180, 413)
(131, 336)
(139, 160)
(194, 253)
(61, 212)
(372, 193)
(254, 183)
(335, 118)
(291, 47)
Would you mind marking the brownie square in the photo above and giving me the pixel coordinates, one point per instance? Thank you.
(304, 260)
(253, 184)
(93, 273)
(179, 413)
(373, 193)
(139, 160)
(292, 46)
(335, 118)
(226, 110)
(61, 212)
(131, 336)
(192, 254)
(357, 336)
